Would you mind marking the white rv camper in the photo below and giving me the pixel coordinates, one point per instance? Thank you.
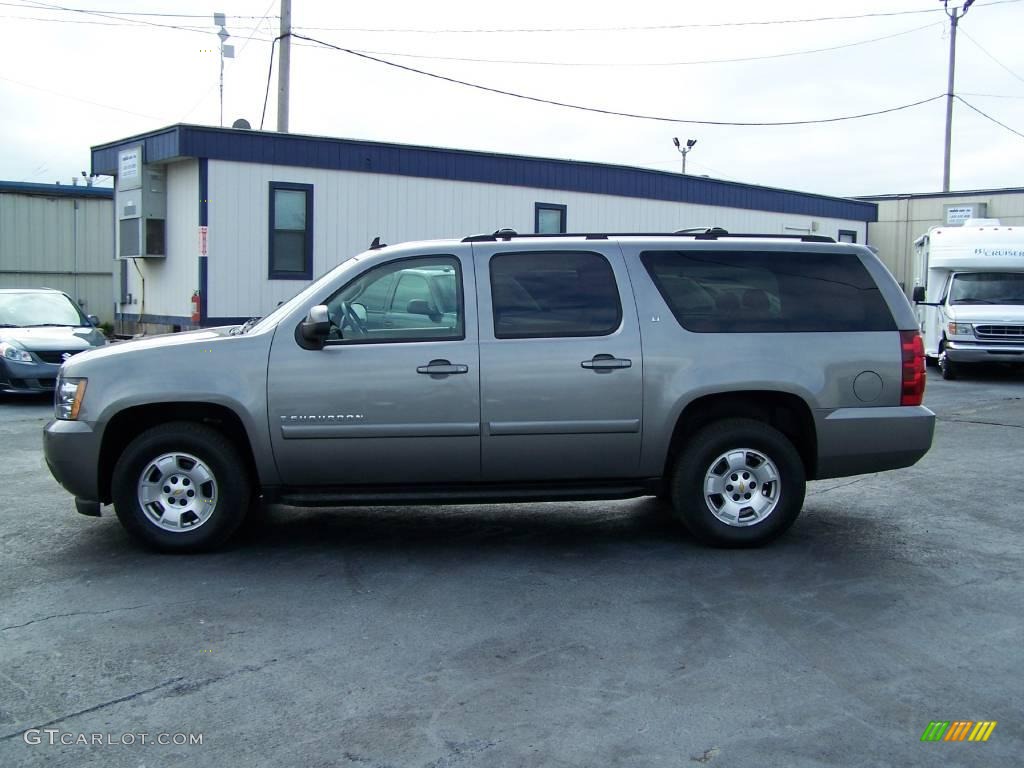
(969, 287)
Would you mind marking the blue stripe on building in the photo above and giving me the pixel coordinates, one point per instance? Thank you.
(192, 141)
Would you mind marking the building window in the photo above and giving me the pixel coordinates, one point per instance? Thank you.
(291, 231)
(847, 236)
(548, 218)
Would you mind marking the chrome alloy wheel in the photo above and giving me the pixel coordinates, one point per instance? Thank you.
(741, 487)
(177, 492)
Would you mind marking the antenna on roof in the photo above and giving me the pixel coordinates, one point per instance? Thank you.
(377, 244)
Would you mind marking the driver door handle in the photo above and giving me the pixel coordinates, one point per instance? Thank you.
(441, 368)
(606, 363)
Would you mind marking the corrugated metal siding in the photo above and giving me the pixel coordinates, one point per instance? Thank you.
(460, 165)
(47, 241)
(350, 209)
(171, 280)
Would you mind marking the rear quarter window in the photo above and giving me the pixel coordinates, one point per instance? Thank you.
(768, 291)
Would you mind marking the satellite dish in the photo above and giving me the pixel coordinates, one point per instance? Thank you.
(242, 123)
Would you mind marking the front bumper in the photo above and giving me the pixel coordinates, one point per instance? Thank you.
(72, 451)
(856, 441)
(27, 377)
(984, 352)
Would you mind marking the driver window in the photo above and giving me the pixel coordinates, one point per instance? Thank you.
(407, 300)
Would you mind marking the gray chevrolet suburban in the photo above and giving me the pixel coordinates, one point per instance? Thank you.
(716, 371)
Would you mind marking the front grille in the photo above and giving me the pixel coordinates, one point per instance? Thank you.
(56, 357)
(1005, 332)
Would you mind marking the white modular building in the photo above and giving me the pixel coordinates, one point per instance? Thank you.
(217, 225)
(59, 236)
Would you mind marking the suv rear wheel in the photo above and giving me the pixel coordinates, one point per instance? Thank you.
(181, 487)
(739, 483)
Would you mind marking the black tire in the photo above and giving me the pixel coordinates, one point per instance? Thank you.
(231, 488)
(946, 366)
(699, 458)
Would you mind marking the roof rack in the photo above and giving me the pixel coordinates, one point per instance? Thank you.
(700, 233)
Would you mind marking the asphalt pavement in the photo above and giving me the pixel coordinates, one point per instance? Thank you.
(585, 634)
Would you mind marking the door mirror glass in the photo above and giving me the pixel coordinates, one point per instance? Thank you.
(918, 293)
(94, 320)
(359, 310)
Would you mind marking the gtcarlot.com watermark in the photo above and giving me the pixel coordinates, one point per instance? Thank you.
(54, 737)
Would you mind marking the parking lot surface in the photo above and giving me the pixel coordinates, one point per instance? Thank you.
(588, 634)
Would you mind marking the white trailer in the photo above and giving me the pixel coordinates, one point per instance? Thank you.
(969, 288)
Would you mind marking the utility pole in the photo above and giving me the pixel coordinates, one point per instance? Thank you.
(284, 65)
(954, 18)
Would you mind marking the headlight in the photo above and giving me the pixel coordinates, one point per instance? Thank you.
(68, 398)
(12, 352)
(961, 329)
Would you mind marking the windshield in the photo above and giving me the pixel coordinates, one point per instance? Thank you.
(283, 309)
(28, 309)
(987, 288)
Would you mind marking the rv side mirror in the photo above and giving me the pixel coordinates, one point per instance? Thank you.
(95, 321)
(316, 326)
(918, 293)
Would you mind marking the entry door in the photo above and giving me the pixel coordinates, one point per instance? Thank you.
(382, 405)
(561, 365)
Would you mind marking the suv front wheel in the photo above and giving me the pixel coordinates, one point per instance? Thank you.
(739, 483)
(181, 487)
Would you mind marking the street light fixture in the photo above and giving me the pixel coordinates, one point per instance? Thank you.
(684, 151)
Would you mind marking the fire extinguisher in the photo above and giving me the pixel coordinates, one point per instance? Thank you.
(196, 303)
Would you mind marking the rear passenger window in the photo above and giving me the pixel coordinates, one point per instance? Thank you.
(768, 291)
(550, 294)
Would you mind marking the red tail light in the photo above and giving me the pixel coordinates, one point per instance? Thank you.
(913, 368)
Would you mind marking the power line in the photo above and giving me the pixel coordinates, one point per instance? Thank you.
(711, 25)
(981, 48)
(650, 63)
(121, 23)
(84, 101)
(142, 13)
(36, 4)
(597, 110)
(992, 95)
(270, 72)
(989, 117)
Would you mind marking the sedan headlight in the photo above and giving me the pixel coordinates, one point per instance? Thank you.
(961, 329)
(68, 398)
(15, 353)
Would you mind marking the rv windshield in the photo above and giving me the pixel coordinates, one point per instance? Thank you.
(987, 288)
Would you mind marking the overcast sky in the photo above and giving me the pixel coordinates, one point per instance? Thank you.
(72, 80)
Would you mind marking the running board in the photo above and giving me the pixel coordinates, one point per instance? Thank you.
(484, 494)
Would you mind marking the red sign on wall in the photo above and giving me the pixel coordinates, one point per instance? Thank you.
(202, 239)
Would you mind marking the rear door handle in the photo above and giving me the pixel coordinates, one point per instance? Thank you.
(442, 368)
(606, 363)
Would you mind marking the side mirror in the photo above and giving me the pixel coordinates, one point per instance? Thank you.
(422, 307)
(94, 320)
(918, 293)
(359, 310)
(316, 326)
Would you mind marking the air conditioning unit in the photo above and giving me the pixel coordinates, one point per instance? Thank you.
(141, 204)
